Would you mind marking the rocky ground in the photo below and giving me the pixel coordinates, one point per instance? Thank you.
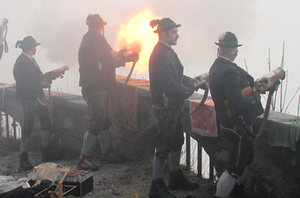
(111, 181)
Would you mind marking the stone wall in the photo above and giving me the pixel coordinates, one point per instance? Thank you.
(275, 171)
(71, 120)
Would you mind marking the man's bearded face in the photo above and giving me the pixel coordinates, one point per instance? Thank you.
(172, 36)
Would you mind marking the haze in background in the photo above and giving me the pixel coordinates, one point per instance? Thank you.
(58, 25)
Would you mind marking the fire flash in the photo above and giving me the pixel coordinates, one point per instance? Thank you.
(138, 36)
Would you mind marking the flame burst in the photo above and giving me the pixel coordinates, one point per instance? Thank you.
(138, 36)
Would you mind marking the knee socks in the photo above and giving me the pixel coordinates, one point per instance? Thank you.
(88, 143)
(104, 139)
(45, 136)
(225, 185)
(158, 167)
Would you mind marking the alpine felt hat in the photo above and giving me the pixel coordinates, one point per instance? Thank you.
(95, 20)
(164, 24)
(28, 42)
(228, 39)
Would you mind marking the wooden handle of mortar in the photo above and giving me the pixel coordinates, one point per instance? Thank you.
(60, 183)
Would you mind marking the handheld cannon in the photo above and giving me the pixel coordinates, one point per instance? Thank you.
(52, 75)
(261, 85)
(198, 81)
(268, 80)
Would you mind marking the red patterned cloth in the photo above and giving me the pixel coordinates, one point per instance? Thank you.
(124, 102)
(123, 108)
(204, 121)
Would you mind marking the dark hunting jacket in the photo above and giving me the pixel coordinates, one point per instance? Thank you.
(28, 78)
(166, 75)
(226, 80)
(96, 63)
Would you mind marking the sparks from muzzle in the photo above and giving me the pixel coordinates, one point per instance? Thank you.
(137, 36)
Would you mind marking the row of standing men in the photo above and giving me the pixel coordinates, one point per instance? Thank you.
(97, 65)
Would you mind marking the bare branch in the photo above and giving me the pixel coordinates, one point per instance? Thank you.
(291, 99)
(269, 60)
(282, 63)
(286, 87)
(245, 64)
(298, 106)
(282, 59)
(273, 100)
(273, 103)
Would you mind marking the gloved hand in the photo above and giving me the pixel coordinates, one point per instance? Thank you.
(203, 86)
(189, 91)
(132, 58)
(190, 83)
(45, 85)
(275, 86)
(122, 52)
(120, 56)
(256, 97)
(114, 53)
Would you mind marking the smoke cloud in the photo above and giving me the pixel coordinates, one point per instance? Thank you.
(59, 27)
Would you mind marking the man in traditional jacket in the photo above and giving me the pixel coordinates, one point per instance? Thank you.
(97, 65)
(226, 82)
(29, 84)
(168, 91)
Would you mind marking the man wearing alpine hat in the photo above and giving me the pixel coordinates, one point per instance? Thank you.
(97, 68)
(168, 87)
(29, 85)
(226, 81)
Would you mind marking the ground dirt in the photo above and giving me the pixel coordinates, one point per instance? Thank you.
(111, 181)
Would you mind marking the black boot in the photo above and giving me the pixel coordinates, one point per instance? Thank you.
(49, 155)
(24, 162)
(159, 189)
(179, 182)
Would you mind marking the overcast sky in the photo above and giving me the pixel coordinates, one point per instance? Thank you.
(59, 25)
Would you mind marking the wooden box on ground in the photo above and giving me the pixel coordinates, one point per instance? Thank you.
(83, 187)
(67, 190)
